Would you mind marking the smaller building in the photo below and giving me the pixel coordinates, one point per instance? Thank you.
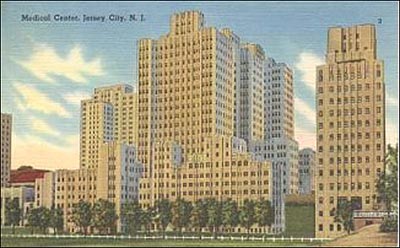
(26, 175)
(25, 196)
(306, 171)
(364, 218)
(115, 178)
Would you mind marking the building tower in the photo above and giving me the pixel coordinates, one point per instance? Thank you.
(6, 130)
(110, 115)
(186, 110)
(250, 98)
(278, 144)
(350, 99)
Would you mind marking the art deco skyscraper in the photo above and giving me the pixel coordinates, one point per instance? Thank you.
(110, 115)
(6, 130)
(278, 144)
(96, 128)
(350, 99)
(250, 94)
(186, 111)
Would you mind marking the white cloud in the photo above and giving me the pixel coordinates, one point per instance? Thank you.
(304, 131)
(33, 99)
(392, 133)
(33, 150)
(306, 138)
(43, 127)
(306, 64)
(76, 97)
(302, 108)
(45, 62)
(392, 100)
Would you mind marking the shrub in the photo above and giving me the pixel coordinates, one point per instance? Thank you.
(389, 224)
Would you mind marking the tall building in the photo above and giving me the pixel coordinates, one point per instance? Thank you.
(350, 99)
(250, 98)
(123, 98)
(279, 100)
(6, 130)
(111, 115)
(278, 144)
(306, 171)
(97, 127)
(186, 109)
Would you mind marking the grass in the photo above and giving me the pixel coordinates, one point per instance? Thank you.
(18, 230)
(300, 221)
(35, 242)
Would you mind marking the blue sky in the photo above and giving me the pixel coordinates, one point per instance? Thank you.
(48, 67)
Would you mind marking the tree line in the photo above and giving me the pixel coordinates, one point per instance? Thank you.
(41, 218)
(208, 213)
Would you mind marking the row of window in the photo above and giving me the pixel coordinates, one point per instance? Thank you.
(353, 186)
(346, 160)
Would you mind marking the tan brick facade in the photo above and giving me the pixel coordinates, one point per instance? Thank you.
(6, 131)
(186, 97)
(350, 99)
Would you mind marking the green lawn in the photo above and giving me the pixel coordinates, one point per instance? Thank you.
(34, 242)
(300, 221)
(18, 230)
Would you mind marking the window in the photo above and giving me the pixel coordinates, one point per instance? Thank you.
(320, 75)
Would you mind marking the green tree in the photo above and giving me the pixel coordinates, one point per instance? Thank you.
(230, 214)
(13, 213)
(387, 182)
(132, 215)
(148, 217)
(181, 212)
(33, 219)
(57, 219)
(164, 214)
(214, 212)
(247, 215)
(344, 215)
(199, 217)
(104, 216)
(264, 213)
(82, 215)
(45, 218)
(39, 218)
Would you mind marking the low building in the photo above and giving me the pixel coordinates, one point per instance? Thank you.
(115, 178)
(283, 156)
(25, 196)
(25, 176)
(306, 171)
